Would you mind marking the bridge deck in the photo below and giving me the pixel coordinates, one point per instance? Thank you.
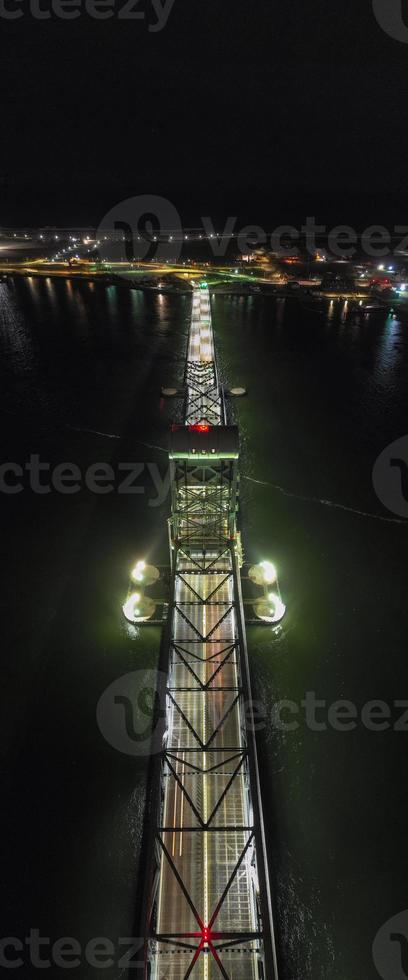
(208, 909)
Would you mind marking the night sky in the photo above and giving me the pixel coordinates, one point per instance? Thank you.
(261, 109)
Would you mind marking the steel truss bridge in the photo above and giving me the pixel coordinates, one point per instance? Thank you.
(208, 891)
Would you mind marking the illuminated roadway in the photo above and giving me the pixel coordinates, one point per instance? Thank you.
(206, 861)
(208, 907)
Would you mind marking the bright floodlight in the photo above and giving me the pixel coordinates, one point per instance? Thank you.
(137, 572)
(144, 574)
(263, 574)
(138, 608)
(131, 607)
(269, 572)
(277, 606)
(270, 608)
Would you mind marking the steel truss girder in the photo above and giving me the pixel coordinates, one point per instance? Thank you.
(205, 824)
(232, 761)
(204, 402)
(204, 935)
(215, 626)
(204, 746)
(204, 501)
(207, 775)
(209, 683)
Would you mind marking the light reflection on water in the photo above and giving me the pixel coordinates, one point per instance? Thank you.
(16, 339)
(389, 353)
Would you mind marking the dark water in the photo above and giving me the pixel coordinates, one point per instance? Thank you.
(326, 395)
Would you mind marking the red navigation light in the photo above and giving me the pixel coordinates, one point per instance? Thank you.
(199, 428)
(206, 934)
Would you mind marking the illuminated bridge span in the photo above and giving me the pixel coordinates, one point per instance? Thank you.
(209, 900)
